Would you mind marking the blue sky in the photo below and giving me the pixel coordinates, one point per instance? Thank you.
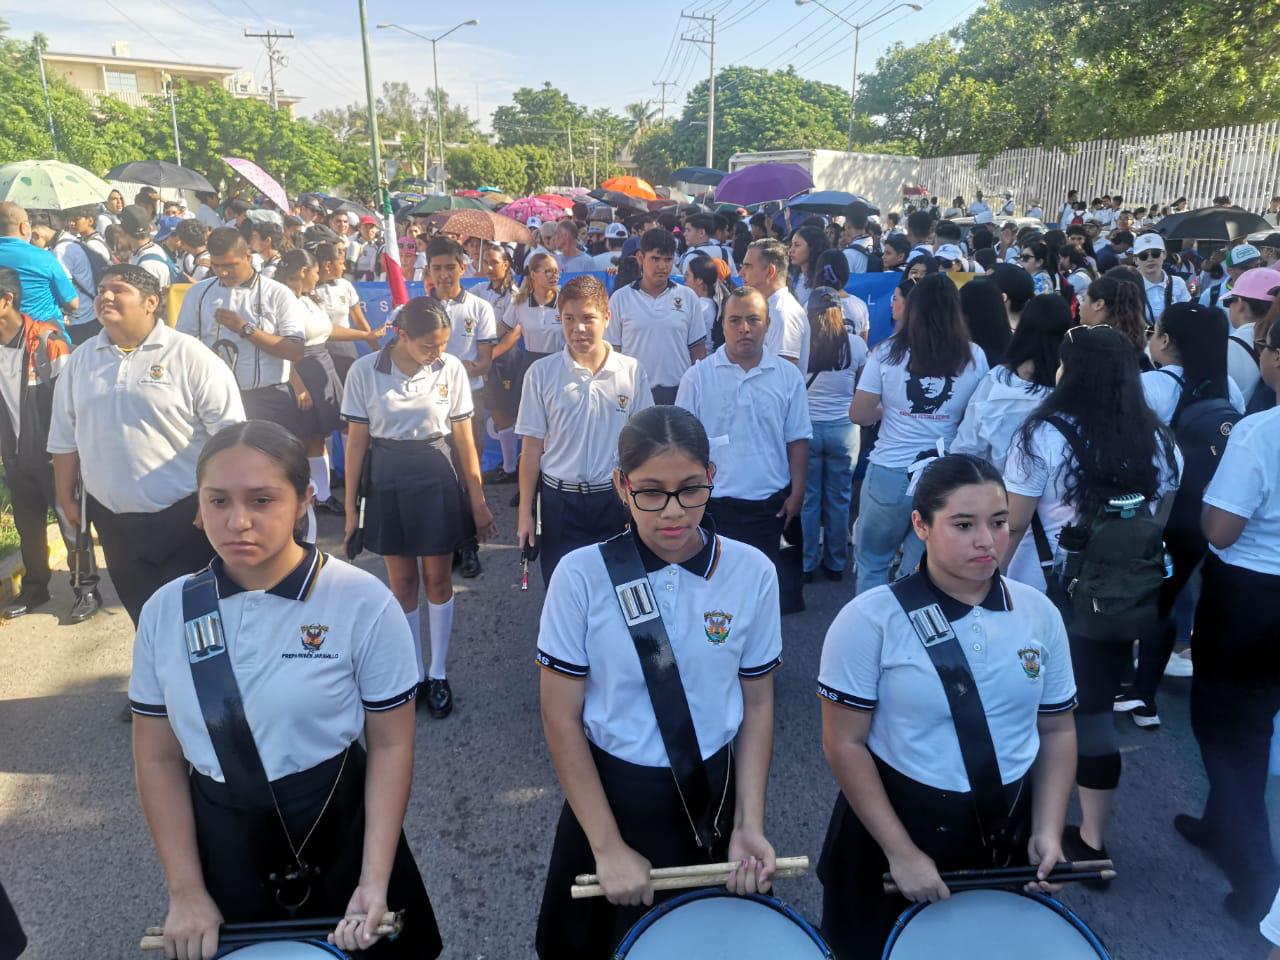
(602, 56)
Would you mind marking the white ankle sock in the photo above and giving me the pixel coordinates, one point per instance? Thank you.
(320, 476)
(507, 440)
(414, 617)
(440, 622)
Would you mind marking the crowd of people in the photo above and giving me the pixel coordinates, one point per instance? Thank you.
(1056, 471)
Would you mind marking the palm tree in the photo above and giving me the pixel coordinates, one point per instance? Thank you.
(639, 118)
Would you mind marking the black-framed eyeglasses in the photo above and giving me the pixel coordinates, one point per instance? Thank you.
(654, 501)
(1150, 255)
(1027, 257)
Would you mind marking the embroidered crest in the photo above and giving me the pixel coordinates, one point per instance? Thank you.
(468, 323)
(623, 401)
(313, 636)
(717, 623)
(677, 302)
(156, 371)
(442, 390)
(1030, 659)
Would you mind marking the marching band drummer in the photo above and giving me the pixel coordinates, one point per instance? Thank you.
(256, 801)
(663, 756)
(916, 758)
(409, 406)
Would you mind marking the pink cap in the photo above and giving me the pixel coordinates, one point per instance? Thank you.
(1256, 284)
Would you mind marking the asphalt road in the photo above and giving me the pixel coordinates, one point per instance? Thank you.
(78, 863)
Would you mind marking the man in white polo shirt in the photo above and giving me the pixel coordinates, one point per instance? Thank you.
(1160, 287)
(254, 323)
(765, 269)
(572, 409)
(756, 414)
(130, 416)
(656, 320)
(699, 233)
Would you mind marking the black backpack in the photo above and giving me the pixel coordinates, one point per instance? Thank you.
(1201, 426)
(1263, 397)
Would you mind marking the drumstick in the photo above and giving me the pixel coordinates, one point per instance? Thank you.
(1015, 876)
(688, 881)
(232, 933)
(701, 870)
(993, 873)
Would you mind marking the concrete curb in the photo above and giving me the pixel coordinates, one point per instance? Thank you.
(12, 569)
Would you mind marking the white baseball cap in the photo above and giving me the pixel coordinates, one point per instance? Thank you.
(948, 251)
(1147, 241)
(533, 223)
(616, 231)
(353, 218)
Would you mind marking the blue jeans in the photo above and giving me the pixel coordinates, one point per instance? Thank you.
(827, 489)
(884, 525)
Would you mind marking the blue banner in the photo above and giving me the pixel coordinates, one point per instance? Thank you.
(876, 291)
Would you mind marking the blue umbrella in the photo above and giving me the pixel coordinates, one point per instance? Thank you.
(832, 203)
(708, 176)
(764, 181)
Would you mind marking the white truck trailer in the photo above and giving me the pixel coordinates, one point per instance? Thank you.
(880, 177)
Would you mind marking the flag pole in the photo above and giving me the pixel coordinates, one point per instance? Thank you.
(391, 250)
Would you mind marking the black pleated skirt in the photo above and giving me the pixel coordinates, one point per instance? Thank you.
(231, 843)
(415, 506)
(320, 377)
(652, 821)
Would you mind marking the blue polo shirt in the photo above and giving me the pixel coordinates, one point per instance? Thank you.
(45, 283)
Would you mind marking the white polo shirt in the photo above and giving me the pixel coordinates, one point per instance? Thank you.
(658, 331)
(152, 258)
(1016, 648)
(1241, 365)
(337, 297)
(499, 301)
(1247, 484)
(713, 249)
(267, 304)
(789, 334)
(720, 609)
(1163, 392)
(316, 325)
(71, 254)
(396, 406)
(917, 411)
(856, 253)
(311, 656)
(996, 410)
(472, 323)
(1155, 293)
(578, 415)
(140, 419)
(539, 326)
(919, 250)
(750, 416)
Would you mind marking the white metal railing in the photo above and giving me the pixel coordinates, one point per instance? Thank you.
(132, 99)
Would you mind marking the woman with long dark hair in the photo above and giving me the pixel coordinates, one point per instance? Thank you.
(982, 306)
(807, 245)
(1075, 271)
(916, 386)
(1041, 261)
(1117, 303)
(1098, 406)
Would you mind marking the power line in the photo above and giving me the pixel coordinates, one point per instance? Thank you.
(271, 39)
(744, 15)
(141, 29)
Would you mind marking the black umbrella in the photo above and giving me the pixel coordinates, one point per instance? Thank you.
(1211, 223)
(708, 176)
(339, 205)
(616, 199)
(161, 174)
(829, 202)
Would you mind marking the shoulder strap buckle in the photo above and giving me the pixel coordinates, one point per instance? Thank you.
(636, 599)
(931, 625)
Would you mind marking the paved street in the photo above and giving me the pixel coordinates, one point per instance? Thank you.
(76, 858)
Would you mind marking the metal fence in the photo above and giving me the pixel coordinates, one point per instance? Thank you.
(1241, 162)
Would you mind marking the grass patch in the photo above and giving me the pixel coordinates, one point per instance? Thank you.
(8, 534)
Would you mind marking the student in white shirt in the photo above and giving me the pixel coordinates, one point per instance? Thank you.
(298, 630)
(765, 269)
(807, 245)
(1160, 288)
(408, 407)
(656, 320)
(266, 240)
(506, 367)
(859, 243)
(836, 360)
(573, 406)
(533, 311)
(369, 259)
(907, 799)
(916, 385)
(627, 810)
(340, 301)
(1098, 404)
(131, 413)
(109, 212)
(1235, 691)
(80, 250)
(699, 233)
(753, 406)
(1247, 305)
(569, 255)
(708, 278)
(833, 272)
(192, 238)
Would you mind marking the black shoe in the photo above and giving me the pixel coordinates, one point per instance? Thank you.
(1075, 848)
(86, 605)
(26, 601)
(515, 499)
(833, 575)
(1145, 717)
(469, 568)
(439, 698)
(1246, 908)
(498, 475)
(1196, 832)
(332, 505)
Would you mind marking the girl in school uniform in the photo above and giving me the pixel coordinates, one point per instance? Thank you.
(533, 314)
(807, 245)
(502, 385)
(341, 303)
(317, 653)
(625, 811)
(408, 407)
(706, 277)
(906, 803)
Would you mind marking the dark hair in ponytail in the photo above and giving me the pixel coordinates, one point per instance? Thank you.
(945, 475)
(656, 430)
(420, 316)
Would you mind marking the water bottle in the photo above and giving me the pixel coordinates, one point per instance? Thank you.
(1168, 564)
(1067, 557)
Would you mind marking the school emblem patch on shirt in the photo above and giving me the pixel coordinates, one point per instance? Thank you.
(677, 302)
(442, 391)
(156, 372)
(468, 323)
(313, 636)
(622, 403)
(716, 623)
(1030, 659)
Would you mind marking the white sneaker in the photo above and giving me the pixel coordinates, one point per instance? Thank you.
(1179, 665)
(1124, 703)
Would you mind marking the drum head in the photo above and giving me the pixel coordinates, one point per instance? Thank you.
(285, 950)
(980, 924)
(714, 925)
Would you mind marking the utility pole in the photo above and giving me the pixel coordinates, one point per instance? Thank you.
(48, 104)
(573, 176)
(173, 115)
(595, 151)
(662, 101)
(271, 39)
(710, 43)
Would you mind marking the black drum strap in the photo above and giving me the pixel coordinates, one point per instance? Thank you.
(976, 747)
(662, 678)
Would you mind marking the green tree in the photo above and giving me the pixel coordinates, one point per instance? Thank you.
(545, 117)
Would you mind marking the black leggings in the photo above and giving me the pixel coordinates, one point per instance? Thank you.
(1099, 668)
(1154, 650)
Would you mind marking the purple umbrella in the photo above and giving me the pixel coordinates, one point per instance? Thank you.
(764, 181)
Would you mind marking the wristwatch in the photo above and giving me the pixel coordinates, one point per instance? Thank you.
(248, 330)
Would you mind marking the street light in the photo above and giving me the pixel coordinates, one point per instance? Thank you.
(857, 32)
(435, 70)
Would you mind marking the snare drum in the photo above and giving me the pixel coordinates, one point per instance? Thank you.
(715, 925)
(285, 950)
(980, 924)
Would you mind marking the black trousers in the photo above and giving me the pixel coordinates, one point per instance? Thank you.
(1099, 667)
(1235, 695)
(756, 522)
(1154, 650)
(664, 396)
(30, 484)
(857, 915)
(652, 821)
(12, 939)
(573, 520)
(144, 551)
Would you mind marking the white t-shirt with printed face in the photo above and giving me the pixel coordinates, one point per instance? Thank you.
(472, 323)
(1247, 484)
(399, 406)
(788, 334)
(658, 331)
(918, 411)
(539, 326)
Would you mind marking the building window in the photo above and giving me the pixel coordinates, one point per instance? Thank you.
(120, 82)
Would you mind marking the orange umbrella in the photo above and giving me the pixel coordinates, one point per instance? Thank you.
(631, 186)
(564, 203)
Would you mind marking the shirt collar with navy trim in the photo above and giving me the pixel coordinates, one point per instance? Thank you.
(296, 585)
(635, 285)
(997, 600)
(701, 564)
